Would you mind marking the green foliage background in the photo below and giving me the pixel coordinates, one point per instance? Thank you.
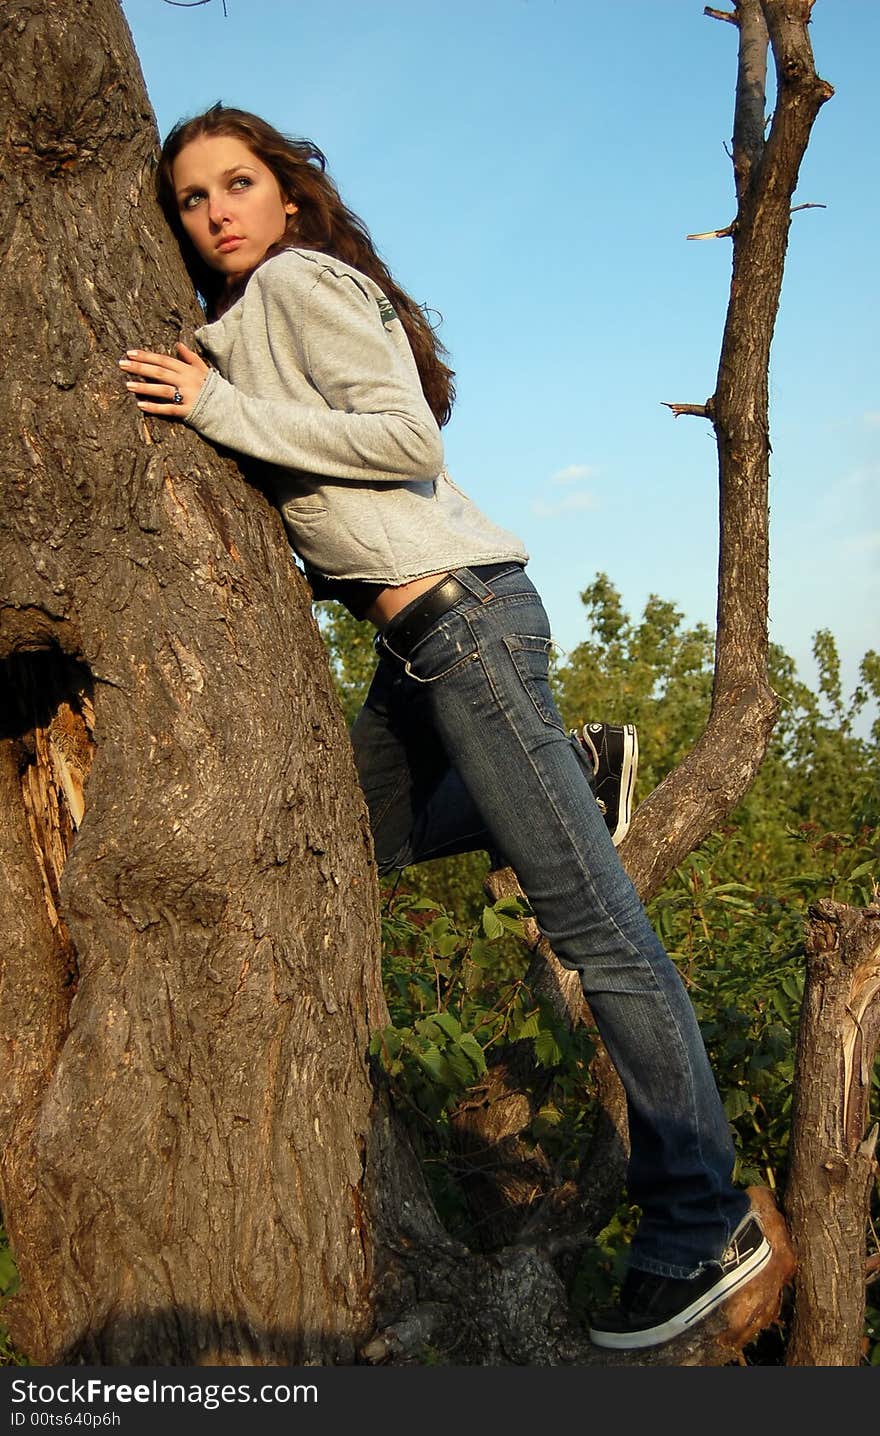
(731, 916)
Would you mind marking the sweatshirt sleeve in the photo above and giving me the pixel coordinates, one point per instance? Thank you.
(376, 425)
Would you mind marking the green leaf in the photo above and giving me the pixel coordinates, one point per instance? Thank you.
(511, 924)
(446, 1023)
(736, 1103)
(526, 1025)
(482, 953)
(474, 1052)
(550, 1115)
(435, 1064)
(8, 1272)
(547, 1049)
(431, 1031)
(386, 1043)
(460, 1065)
(437, 930)
(793, 986)
(493, 927)
(750, 1176)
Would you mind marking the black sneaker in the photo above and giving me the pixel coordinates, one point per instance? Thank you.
(614, 751)
(654, 1309)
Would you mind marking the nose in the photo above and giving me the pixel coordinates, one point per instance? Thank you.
(218, 209)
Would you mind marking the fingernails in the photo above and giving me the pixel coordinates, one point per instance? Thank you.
(132, 353)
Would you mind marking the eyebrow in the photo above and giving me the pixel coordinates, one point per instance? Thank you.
(233, 169)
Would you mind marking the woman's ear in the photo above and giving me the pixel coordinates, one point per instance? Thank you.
(290, 207)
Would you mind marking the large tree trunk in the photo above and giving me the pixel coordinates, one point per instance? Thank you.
(188, 904)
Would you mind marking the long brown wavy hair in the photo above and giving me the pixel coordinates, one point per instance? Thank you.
(322, 222)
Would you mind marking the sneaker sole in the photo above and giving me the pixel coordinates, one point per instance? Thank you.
(628, 771)
(697, 1311)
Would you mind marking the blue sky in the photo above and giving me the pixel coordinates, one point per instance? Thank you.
(530, 169)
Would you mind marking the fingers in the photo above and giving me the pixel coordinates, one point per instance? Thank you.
(189, 356)
(163, 366)
(153, 366)
(162, 411)
(156, 391)
(176, 382)
(174, 405)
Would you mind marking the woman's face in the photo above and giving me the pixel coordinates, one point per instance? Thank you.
(230, 203)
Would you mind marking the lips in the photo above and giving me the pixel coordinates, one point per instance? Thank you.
(232, 241)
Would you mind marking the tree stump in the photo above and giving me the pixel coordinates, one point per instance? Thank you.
(833, 1163)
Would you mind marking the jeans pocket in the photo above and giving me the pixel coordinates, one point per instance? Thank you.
(446, 646)
(530, 655)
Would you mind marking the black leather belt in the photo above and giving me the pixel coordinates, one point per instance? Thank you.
(406, 628)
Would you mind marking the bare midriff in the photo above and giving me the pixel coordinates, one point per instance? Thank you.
(392, 600)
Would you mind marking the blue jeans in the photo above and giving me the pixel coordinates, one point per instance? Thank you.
(459, 746)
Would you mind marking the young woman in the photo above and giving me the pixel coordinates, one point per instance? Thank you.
(329, 375)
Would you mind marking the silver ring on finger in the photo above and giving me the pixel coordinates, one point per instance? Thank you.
(177, 397)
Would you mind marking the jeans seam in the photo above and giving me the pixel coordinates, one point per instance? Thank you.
(600, 904)
(666, 1269)
(388, 804)
(509, 640)
(426, 855)
(376, 821)
(631, 947)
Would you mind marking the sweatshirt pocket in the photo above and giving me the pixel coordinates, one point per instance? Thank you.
(309, 508)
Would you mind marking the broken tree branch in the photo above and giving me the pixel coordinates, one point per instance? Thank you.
(724, 233)
(700, 411)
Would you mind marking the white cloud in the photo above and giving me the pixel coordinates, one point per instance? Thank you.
(574, 473)
(872, 418)
(579, 501)
(576, 500)
(862, 543)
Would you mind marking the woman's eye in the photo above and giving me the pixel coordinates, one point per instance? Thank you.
(191, 201)
(241, 182)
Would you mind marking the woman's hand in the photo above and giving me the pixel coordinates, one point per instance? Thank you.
(176, 383)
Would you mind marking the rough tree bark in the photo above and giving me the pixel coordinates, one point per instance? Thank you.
(188, 909)
(833, 1163)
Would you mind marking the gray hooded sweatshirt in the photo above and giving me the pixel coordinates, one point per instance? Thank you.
(317, 380)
